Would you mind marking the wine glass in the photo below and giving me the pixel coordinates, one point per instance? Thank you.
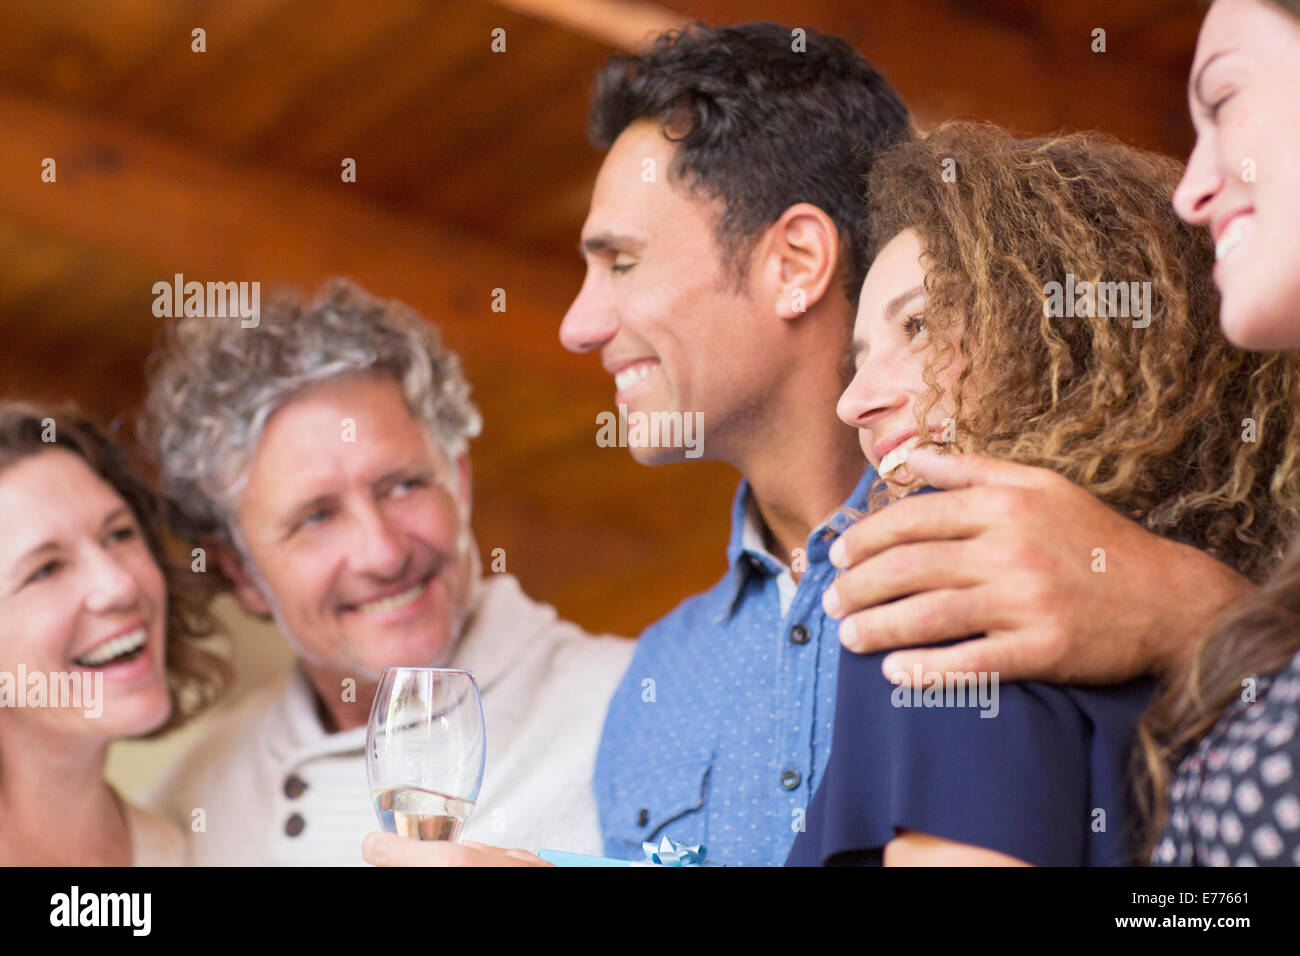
(425, 750)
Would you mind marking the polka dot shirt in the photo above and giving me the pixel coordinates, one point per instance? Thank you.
(1235, 800)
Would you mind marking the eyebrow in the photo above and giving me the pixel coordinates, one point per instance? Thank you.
(892, 308)
(1200, 74)
(52, 545)
(895, 305)
(604, 241)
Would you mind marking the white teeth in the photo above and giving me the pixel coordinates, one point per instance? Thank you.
(117, 647)
(890, 463)
(384, 605)
(1236, 231)
(633, 374)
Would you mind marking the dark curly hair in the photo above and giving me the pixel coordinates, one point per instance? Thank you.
(761, 122)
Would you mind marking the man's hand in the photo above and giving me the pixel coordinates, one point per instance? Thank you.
(388, 849)
(1016, 553)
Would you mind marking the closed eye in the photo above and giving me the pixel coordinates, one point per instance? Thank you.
(1217, 105)
(46, 570)
(124, 533)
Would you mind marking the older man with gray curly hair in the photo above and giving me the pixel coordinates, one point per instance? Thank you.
(321, 457)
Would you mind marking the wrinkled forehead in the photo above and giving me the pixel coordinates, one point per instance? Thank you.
(344, 430)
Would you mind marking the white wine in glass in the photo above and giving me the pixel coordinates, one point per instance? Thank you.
(425, 750)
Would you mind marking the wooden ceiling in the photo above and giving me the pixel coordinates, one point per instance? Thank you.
(473, 173)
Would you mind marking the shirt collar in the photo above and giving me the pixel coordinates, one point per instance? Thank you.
(746, 552)
(502, 621)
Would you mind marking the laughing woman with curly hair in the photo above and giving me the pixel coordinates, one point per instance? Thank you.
(1039, 301)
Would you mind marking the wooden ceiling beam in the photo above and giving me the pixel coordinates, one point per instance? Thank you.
(175, 207)
(621, 24)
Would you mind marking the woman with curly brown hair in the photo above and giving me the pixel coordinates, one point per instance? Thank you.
(98, 641)
(1039, 301)
(1221, 781)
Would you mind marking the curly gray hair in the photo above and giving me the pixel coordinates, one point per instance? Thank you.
(214, 384)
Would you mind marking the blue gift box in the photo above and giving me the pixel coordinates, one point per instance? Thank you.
(665, 853)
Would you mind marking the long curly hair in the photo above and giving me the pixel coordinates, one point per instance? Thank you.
(1157, 415)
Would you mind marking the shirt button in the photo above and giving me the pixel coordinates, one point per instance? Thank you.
(798, 634)
(790, 779)
(294, 785)
(294, 825)
(643, 817)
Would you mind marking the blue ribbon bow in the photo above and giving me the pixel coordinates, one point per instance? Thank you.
(670, 853)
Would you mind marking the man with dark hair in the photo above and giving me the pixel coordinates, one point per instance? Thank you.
(760, 122)
(723, 287)
(721, 277)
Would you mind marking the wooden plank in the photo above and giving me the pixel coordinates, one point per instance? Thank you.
(621, 24)
(120, 188)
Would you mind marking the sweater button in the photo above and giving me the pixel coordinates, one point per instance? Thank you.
(294, 825)
(798, 634)
(790, 780)
(643, 817)
(294, 785)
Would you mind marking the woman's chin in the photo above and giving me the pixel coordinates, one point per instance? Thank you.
(1267, 325)
(137, 714)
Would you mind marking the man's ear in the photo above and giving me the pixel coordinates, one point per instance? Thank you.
(243, 587)
(799, 259)
(466, 481)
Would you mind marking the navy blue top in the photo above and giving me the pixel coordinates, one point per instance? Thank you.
(1032, 770)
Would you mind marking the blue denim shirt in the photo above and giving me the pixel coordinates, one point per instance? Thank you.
(720, 729)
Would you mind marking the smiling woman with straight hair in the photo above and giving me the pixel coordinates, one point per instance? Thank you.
(1221, 782)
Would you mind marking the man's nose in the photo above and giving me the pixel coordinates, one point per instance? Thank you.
(377, 549)
(589, 323)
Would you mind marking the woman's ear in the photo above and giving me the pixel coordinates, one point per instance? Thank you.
(242, 583)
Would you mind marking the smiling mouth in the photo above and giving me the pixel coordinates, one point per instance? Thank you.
(116, 651)
(634, 374)
(896, 457)
(1232, 236)
(393, 602)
